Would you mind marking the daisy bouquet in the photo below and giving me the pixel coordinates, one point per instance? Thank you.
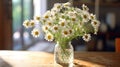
(64, 22)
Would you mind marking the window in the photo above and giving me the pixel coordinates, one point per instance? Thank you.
(22, 10)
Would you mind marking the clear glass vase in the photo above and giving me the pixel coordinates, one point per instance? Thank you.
(64, 54)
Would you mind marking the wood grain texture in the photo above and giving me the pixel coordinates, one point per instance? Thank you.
(42, 59)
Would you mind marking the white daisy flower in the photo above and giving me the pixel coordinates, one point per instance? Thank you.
(71, 31)
(84, 7)
(95, 30)
(43, 20)
(67, 5)
(74, 19)
(63, 22)
(47, 15)
(80, 24)
(86, 37)
(49, 37)
(78, 10)
(55, 28)
(54, 12)
(35, 32)
(85, 15)
(32, 23)
(71, 14)
(52, 19)
(65, 33)
(92, 17)
(26, 23)
(49, 23)
(62, 16)
(38, 18)
(45, 28)
(95, 23)
(58, 6)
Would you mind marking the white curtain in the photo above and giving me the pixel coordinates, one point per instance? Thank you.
(40, 7)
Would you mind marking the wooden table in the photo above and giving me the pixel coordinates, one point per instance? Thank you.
(42, 59)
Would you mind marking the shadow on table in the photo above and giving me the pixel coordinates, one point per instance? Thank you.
(3, 63)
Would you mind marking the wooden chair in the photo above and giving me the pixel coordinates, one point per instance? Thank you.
(117, 44)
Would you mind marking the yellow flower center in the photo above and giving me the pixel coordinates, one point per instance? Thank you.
(37, 18)
(85, 16)
(55, 28)
(58, 7)
(27, 24)
(44, 20)
(36, 33)
(49, 23)
(86, 36)
(70, 31)
(32, 24)
(65, 32)
(95, 23)
(62, 24)
(46, 16)
(46, 28)
(49, 37)
(73, 19)
(92, 17)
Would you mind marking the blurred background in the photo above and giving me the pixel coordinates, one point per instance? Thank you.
(13, 36)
